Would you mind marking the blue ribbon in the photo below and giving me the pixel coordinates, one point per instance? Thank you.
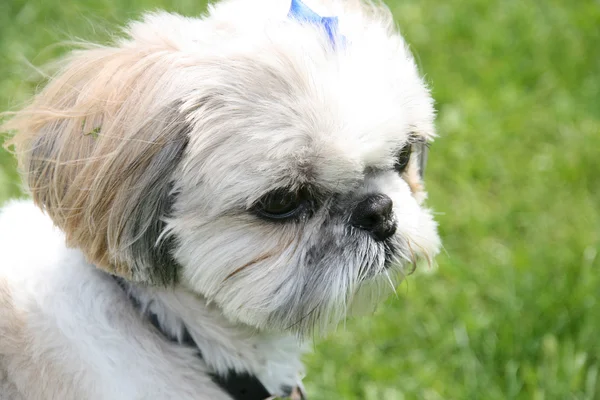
(301, 12)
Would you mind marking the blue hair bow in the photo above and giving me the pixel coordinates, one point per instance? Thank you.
(301, 12)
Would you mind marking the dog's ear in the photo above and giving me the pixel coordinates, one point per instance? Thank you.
(98, 148)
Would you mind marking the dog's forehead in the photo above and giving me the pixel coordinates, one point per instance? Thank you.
(335, 118)
(295, 110)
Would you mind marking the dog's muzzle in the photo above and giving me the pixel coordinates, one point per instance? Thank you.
(375, 215)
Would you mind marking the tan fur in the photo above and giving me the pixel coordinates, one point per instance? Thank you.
(414, 180)
(11, 324)
(85, 141)
(248, 264)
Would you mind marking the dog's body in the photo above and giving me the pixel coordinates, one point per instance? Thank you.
(70, 332)
(213, 190)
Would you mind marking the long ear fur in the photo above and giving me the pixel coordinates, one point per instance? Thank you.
(98, 148)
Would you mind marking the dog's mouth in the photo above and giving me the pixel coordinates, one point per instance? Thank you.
(390, 252)
(397, 255)
(387, 257)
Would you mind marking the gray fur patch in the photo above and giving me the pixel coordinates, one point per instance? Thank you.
(151, 201)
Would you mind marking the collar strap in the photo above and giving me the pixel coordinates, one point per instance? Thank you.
(240, 386)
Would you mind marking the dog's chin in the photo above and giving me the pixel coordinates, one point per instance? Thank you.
(395, 259)
(363, 293)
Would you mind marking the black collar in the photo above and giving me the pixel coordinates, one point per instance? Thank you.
(240, 386)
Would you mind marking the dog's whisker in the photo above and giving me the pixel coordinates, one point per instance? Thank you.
(248, 264)
(391, 283)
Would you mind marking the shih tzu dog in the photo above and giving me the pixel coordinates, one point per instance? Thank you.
(208, 192)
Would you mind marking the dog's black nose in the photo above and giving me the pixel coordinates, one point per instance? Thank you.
(374, 214)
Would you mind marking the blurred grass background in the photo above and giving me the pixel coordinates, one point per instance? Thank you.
(512, 310)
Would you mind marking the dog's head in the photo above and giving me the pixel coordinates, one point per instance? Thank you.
(246, 155)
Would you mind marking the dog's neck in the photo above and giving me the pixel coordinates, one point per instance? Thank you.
(230, 351)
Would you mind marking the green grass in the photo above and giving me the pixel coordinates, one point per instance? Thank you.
(512, 311)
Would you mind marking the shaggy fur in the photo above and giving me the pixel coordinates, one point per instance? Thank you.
(150, 156)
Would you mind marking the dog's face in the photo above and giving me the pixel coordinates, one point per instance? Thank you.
(242, 156)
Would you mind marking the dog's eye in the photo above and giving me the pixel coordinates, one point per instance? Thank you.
(403, 158)
(281, 204)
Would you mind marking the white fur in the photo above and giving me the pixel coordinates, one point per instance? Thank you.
(81, 324)
(196, 120)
